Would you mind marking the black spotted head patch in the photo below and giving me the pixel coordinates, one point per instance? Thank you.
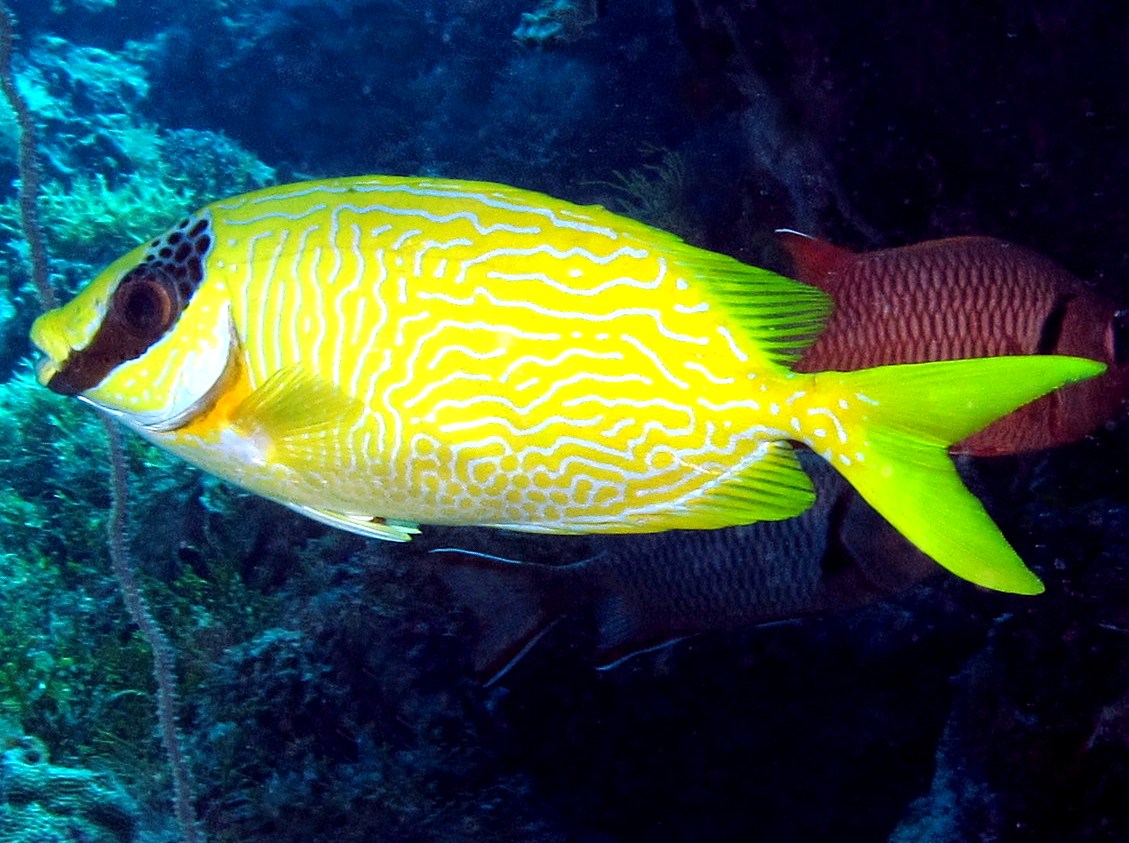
(179, 253)
(144, 306)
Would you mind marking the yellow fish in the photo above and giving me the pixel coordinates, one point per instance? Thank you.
(381, 352)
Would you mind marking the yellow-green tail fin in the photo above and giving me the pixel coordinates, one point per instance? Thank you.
(913, 413)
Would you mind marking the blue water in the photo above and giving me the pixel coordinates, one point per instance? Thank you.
(327, 689)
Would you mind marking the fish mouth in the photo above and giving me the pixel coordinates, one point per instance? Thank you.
(58, 355)
(45, 370)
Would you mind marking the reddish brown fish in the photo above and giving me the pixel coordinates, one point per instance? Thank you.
(970, 297)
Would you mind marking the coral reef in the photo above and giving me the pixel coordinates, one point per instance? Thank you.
(427, 87)
(557, 22)
(655, 191)
(110, 178)
(1036, 738)
(355, 720)
(41, 802)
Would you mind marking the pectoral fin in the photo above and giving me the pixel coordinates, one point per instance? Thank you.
(295, 405)
(306, 423)
(300, 420)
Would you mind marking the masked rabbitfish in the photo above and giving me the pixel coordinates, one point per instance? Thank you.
(380, 352)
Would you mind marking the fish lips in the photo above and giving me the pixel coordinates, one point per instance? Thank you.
(70, 377)
(45, 371)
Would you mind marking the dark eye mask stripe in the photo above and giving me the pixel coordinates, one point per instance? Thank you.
(144, 307)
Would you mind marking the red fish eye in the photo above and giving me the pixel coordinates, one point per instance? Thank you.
(1118, 339)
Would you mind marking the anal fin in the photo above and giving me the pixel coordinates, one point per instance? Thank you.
(772, 487)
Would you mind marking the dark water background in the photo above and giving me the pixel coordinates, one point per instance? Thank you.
(325, 688)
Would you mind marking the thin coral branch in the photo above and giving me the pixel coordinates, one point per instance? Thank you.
(164, 669)
(27, 163)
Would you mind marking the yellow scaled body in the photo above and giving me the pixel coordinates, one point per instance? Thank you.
(381, 352)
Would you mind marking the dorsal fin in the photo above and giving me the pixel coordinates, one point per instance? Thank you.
(514, 604)
(813, 260)
(780, 316)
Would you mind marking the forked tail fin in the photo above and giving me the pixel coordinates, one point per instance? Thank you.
(913, 413)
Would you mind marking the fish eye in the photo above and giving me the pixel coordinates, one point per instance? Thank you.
(145, 303)
(1119, 337)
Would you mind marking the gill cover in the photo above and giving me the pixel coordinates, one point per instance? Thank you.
(117, 344)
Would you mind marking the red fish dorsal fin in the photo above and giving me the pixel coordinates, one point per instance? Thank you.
(813, 259)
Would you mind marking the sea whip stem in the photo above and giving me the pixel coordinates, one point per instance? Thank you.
(27, 164)
(164, 671)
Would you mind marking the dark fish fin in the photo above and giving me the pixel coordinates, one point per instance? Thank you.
(1118, 338)
(613, 657)
(623, 630)
(871, 559)
(838, 561)
(813, 260)
(513, 603)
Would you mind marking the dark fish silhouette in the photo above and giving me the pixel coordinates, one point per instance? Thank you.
(642, 592)
(970, 297)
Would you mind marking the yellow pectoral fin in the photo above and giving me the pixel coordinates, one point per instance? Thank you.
(388, 529)
(295, 402)
(303, 421)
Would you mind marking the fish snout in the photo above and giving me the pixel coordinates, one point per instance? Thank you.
(50, 338)
(45, 370)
